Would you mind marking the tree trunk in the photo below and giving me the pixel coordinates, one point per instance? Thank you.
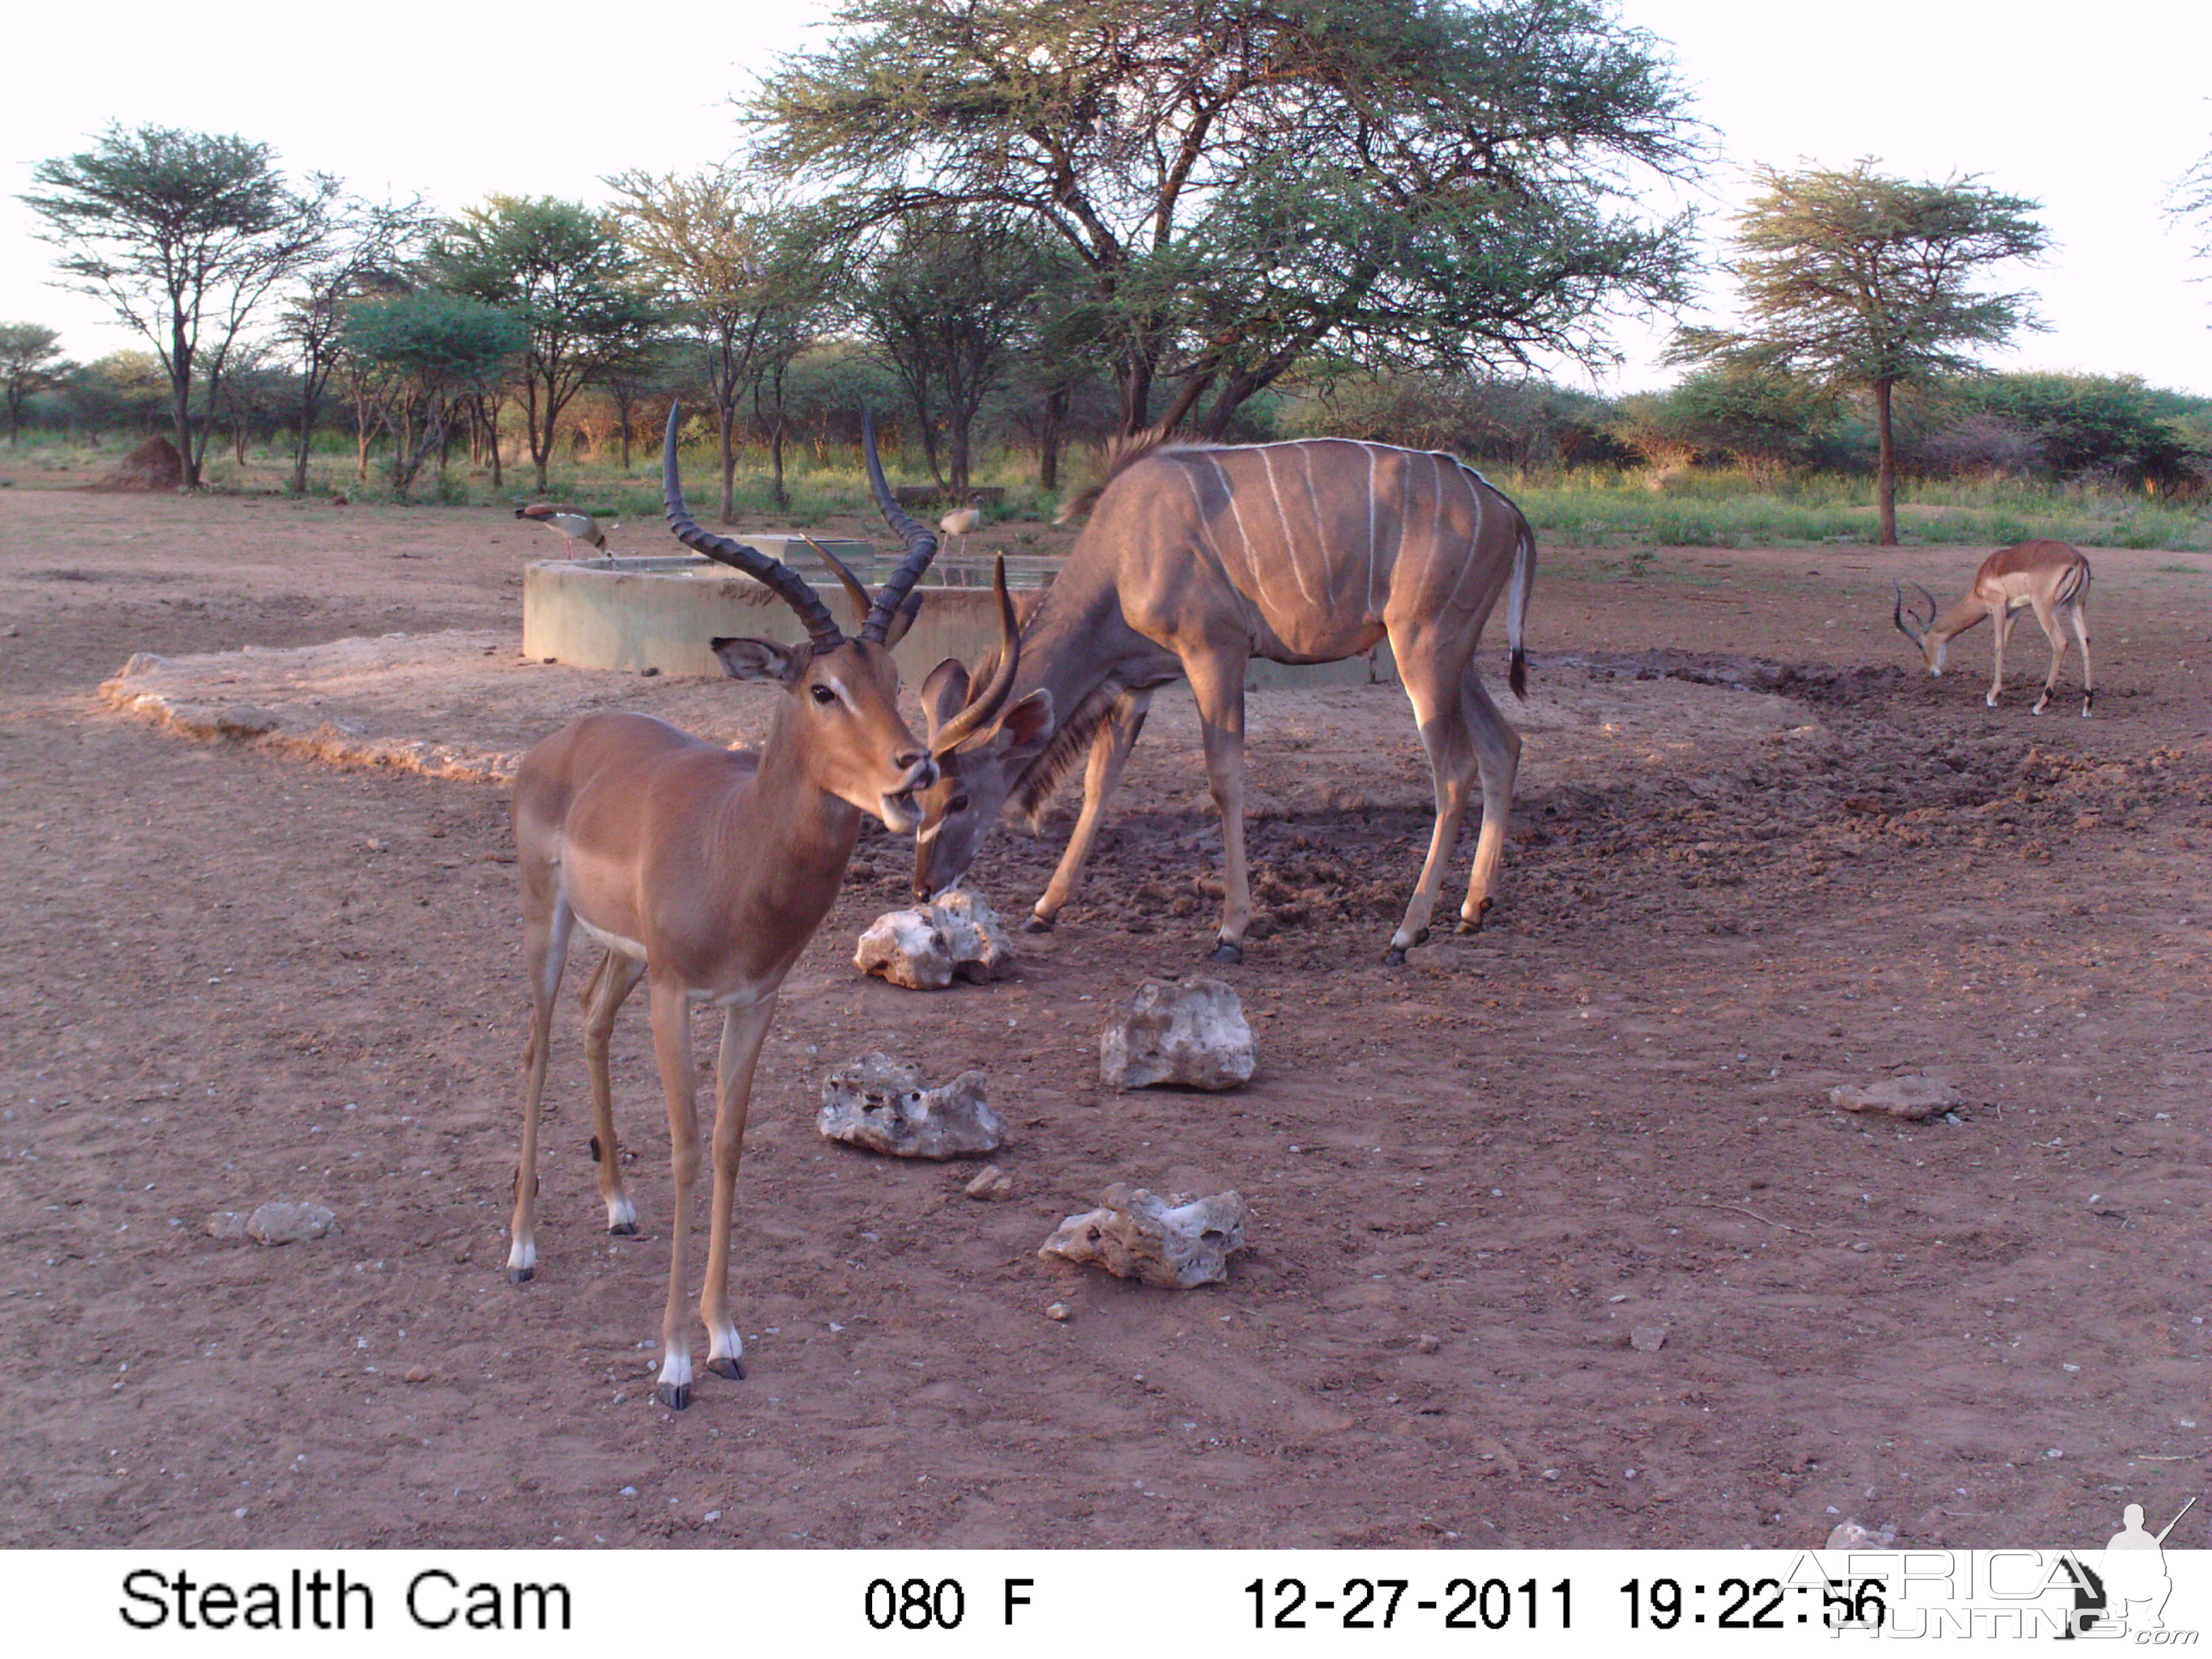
(1055, 414)
(180, 404)
(725, 417)
(1886, 483)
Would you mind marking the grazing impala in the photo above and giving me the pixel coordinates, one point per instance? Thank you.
(1196, 559)
(704, 872)
(2049, 578)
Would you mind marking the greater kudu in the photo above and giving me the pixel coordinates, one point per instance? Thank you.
(704, 872)
(1197, 558)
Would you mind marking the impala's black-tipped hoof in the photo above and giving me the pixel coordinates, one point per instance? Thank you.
(1395, 957)
(725, 1366)
(623, 1229)
(2085, 704)
(1475, 925)
(1228, 951)
(1034, 923)
(677, 1396)
(522, 1275)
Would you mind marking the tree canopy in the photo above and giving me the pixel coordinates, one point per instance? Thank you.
(562, 270)
(185, 235)
(1852, 279)
(1252, 184)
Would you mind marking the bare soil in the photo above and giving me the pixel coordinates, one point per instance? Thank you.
(1753, 858)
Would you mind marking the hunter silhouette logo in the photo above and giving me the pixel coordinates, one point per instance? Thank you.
(2132, 1584)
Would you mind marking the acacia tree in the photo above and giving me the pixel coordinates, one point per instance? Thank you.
(1249, 182)
(1855, 281)
(369, 248)
(730, 261)
(2191, 198)
(562, 270)
(945, 303)
(185, 235)
(30, 362)
(432, 350)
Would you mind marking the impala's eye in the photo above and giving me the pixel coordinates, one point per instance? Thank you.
(823, 694)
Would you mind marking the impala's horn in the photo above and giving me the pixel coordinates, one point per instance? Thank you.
(920, 545)
(1916, 628)
(983, 708)
(787, 583)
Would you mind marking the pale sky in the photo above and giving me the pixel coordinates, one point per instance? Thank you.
(2094, 111)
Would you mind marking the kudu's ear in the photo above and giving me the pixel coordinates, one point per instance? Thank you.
(902, 619)
(761, 659)
(944, 694)
(1024, 729)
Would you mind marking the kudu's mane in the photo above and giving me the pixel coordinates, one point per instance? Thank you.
(1034, 789)
(1117, 457)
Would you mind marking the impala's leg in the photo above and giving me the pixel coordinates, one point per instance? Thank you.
(1109, 753)
(672, 1049)
(2001, 622)
(742, 1030)
(612, 981)
(2081, 615)
(1498, 748)
(2055, 631)
(1439, 710)
(1217, 680)
(546, 922)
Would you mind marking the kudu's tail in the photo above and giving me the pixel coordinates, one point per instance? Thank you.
(1516, 610)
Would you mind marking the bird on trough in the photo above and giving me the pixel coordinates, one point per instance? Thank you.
(570, 521)
(962, 521)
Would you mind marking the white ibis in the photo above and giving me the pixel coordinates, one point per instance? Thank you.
(962, 521)
(570, 521)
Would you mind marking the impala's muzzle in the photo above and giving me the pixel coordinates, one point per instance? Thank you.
(901, 812)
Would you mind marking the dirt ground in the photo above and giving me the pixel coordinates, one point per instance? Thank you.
(1753, 858)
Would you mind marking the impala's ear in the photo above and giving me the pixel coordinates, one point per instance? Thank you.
(1024, 729)
(944, 693)
(761, 659)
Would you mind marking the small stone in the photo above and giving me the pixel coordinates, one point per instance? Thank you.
(1911, 1097)
(878, 1102)
(1193, 1034)
(229, 1225)
(982, 950)
(285, 1223)
(244, 720)
(1427, 1343)
(1177, 1243)
(991, 1185)
(1853, 1535)
(1648, 1339)
(1058, 1312)
(416, 1374)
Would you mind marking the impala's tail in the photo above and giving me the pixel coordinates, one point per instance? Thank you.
(1517, 609)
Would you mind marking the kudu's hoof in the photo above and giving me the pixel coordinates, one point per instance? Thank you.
(725, 1366)
(1393, 957)
(1474, 925)
(1228, 951)
(677, 1396)
(522, 1275)
(1034, 923)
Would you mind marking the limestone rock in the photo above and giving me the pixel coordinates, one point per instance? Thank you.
(1193, 1034)
(285, 1223)
(229, 1225)
(1648, 1339)
(1177, 1243)
(878, 1102)
(909, 948)
(981, 949)
(959, 937)
(1911, 1097)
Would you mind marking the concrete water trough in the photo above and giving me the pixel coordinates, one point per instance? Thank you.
(640, 615)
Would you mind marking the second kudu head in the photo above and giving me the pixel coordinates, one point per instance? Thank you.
(842, 691)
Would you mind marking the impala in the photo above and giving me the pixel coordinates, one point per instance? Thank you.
(704, 872)
(1197, 558)
(2049, 578)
